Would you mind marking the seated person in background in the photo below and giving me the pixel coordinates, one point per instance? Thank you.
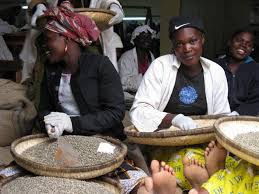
(134, 63)
(132, 66)
(242, 74)
(179, 84)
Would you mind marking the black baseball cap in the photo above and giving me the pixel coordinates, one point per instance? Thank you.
(179, 22)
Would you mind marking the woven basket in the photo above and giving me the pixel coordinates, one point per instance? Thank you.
(174, 136)
(225, 135)
(100, 16)
(112, 186)
(84, 172)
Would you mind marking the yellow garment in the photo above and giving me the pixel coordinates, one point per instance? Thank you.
(237, 178)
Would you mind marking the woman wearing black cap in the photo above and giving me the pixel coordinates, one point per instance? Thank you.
(183, 83)
(178, 85)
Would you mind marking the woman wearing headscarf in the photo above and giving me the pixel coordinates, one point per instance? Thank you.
(134, 63)
(81, 93)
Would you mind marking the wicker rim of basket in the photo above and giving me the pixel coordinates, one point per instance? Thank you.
(119, 158)
(230, 141)
(174, 141)
(202, 130)
(94, 10)
(105, 180)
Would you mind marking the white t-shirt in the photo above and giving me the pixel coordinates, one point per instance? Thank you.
(65, 96)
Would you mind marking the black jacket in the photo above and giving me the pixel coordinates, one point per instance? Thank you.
(243, 87)
(98, 92)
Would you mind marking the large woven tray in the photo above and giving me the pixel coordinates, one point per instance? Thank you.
(84, 172)
(100, 16)
(111, 185)
(174, 137)
(225, 136)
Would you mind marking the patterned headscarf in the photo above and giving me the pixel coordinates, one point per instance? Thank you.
(63, 20)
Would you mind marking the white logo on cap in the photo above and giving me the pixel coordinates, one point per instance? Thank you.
(177, 27)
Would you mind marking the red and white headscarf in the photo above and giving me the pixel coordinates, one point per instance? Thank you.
(63, 20)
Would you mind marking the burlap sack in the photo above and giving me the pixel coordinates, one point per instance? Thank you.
(17, 113)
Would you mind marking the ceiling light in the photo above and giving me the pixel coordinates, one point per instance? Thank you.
(134, 18)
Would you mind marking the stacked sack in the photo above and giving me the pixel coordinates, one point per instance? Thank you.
(17, 112)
